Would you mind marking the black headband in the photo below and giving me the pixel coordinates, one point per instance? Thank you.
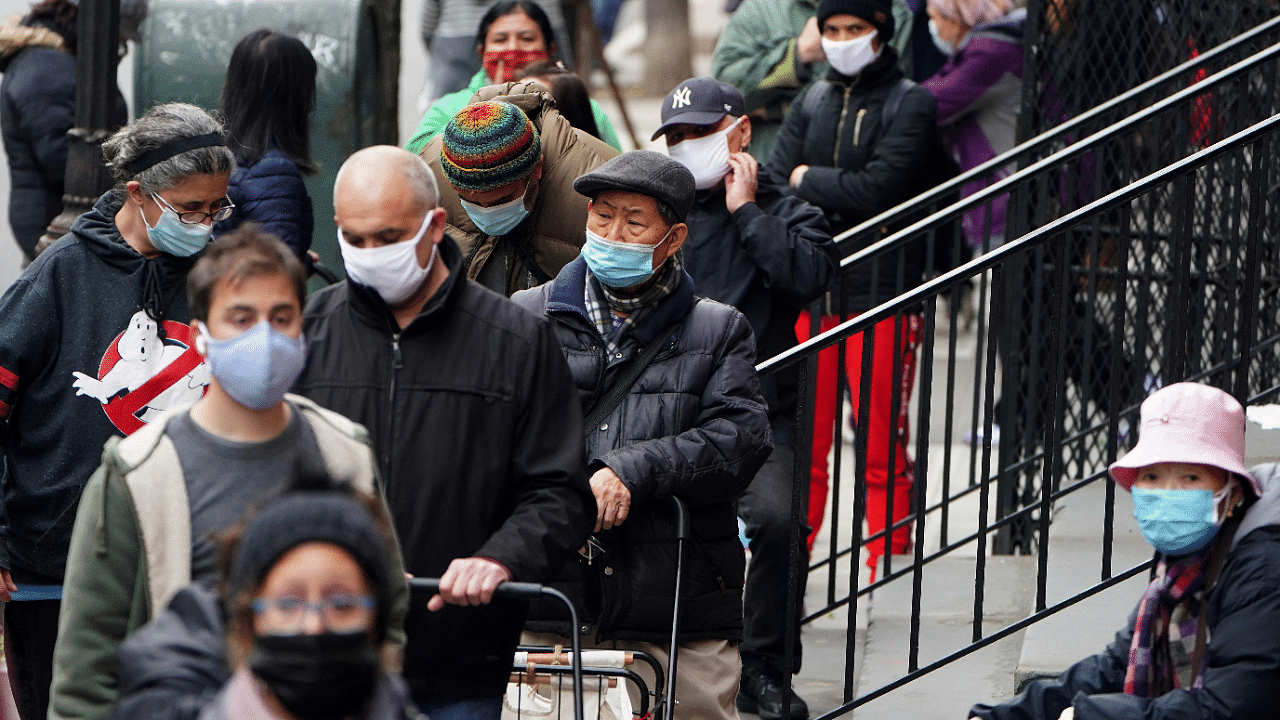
(151, 158)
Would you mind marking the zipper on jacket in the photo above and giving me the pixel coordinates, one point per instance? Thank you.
(844, 111)
(857, 126)
(396, 364)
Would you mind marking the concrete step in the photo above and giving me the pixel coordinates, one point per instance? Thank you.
(1075, 562)
(946, 614)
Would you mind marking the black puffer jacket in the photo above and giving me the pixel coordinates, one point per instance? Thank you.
(474, 421)
(694, 425)
(858, 168)
(1242, 679)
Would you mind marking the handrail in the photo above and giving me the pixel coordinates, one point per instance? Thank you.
(989, 260)
(891, 242)
(1048, 136)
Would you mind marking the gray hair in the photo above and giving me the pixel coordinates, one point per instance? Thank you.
(162, 125)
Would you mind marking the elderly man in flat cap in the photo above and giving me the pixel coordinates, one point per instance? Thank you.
(673, 408)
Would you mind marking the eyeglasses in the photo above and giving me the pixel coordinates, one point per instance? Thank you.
(197, 217)
(340, 612)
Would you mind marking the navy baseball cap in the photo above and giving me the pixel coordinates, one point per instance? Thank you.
(700, 101)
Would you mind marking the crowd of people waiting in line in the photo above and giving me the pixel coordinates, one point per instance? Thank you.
(215, 485)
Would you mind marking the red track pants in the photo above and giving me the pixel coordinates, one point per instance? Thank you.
(887, 360)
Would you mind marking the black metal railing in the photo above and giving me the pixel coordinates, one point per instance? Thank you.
(1194, 241)
(1069, 172)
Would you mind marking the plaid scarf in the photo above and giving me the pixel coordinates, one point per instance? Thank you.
(602, 300)
(1164, 635)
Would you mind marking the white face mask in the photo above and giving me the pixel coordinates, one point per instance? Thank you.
(391, 270)
(943, 46)
(706, 157)
(849, 57)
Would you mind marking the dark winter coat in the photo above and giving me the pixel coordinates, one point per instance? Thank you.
(475, 425)
(768, 259)
(269, 191)
(858, 168)
(37, 108)
(694, 425)
(60, 323)
(1242, 679)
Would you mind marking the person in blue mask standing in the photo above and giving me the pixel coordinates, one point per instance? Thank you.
(505, 166)
(149, 515)
(1204, 640)
(673, 407)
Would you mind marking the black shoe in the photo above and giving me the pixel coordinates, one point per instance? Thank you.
(762, 693)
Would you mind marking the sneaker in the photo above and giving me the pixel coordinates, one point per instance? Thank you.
(761, 693)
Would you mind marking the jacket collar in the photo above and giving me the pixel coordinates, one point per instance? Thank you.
(369, 305)
(568, 296)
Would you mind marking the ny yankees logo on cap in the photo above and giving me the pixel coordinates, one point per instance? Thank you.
(681, 98)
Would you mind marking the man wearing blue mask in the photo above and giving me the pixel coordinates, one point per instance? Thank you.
(754, 246)
(473, 417)
(150, 515)
(673, 406)
(506, 187)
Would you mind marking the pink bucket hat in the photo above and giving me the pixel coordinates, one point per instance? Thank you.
(1188, 423)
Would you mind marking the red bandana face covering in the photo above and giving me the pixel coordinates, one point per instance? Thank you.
(502, 65)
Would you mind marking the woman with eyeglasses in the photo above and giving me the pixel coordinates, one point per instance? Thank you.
(94, 343)
(297, 630)
(307, 595)
(267, 99)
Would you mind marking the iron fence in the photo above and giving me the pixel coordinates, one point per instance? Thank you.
(1200, 260)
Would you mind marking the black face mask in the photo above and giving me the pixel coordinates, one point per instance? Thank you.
(328, 676)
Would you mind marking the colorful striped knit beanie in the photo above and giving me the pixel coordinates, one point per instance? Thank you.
(488, 145)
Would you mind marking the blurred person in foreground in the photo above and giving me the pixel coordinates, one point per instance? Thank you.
(473, 418)
(760, 249)
(1204, 639)
(38, 107)
(94, 342)
(691, 424)
(299, 628)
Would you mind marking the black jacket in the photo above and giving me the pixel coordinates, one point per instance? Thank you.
(768, 260)
(60, 323)
(693, 425)
(474, 420)
(1242, 679)
(37, 108)
(858, 168)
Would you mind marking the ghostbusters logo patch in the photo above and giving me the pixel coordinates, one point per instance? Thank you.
(141, 375)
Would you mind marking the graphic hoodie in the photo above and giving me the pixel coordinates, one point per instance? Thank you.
(93, 343)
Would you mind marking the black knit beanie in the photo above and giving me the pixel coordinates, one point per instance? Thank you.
(877, 12)
(302, 517)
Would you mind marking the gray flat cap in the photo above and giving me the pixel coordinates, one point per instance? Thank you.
(645, 172)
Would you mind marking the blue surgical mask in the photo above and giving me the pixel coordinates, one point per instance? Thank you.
(1178, 522)
(257, 366)
(496, 219)
(618, 264)
(174, 237)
